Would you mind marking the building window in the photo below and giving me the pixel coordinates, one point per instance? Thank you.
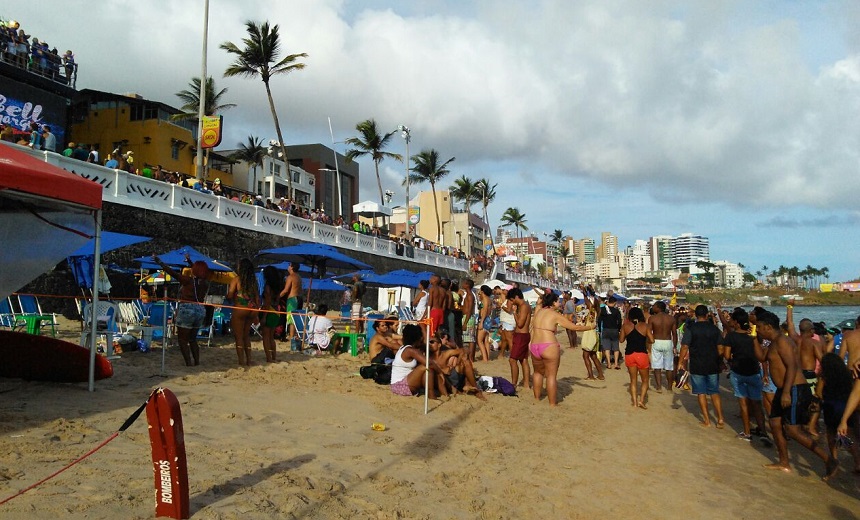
(174, 151)
(141, 112)
(275, 169)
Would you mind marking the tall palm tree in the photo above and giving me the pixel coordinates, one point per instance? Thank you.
(252, 153)
(465, 190)
(557, 236)
(260, 57)
(371, 142)
(428, 168)
(488, 195)
(191, 100)
(513, 217)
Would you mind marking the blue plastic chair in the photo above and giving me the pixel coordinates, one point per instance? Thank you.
(156, 320)
(369, 331)
(8, 318)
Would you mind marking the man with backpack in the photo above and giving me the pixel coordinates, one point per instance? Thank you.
(609, 321)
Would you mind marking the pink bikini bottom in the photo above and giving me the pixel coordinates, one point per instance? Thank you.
(537, 348)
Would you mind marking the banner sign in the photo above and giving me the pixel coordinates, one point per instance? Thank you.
(21, 105)
(414, 214)
(212, 131)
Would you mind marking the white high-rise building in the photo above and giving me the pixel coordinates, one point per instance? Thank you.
(660, 250)
(688, 248)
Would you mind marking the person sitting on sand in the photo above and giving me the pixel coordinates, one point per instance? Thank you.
(545, 349)
(638, 337)
(790, 406)
(409, 365)
(384, 340)
(318, 330)
(456, 368)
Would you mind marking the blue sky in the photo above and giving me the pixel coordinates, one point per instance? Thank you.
(737, 120)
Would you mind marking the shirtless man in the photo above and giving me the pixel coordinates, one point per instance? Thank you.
(455, 367)
(793, 395)
(437, 302)
(851, 347)
(470, 317)
(292, 292)
(520, 339)
(662, 326)
(810, 351)
(384, 338)
(190, 312)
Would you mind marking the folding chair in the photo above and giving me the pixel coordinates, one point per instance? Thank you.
(32, 313)
(156, 321)
(8, 318)
(300, 322)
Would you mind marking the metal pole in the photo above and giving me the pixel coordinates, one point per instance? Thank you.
(97, 259)
(337, 171)
(198, 170)
(406, 133)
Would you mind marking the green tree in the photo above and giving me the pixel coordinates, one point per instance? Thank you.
(428, 168)
(371, 142)
(260, 56)
(464, 190)
(488, 195)
(251, 152)
(190, 98)
(513, 217)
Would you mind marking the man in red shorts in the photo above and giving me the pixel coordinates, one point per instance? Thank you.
(437, 302)
(521, 338)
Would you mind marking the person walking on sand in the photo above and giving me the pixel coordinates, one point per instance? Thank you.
(545, 349)
(190, 311)
(637, 335)
(662, 329)
(245, 294)
(270, 319)
(292, 292)
(790, 407)
(700, 356)
(520, 338)
(609, 319)
(745, 373)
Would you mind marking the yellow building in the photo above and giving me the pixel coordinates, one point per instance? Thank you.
(127, 122)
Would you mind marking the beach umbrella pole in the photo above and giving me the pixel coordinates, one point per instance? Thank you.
(94, 302)
(164, 328)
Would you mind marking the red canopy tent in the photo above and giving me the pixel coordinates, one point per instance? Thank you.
(47, 213)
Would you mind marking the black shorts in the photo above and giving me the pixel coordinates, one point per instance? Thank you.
(798, 411)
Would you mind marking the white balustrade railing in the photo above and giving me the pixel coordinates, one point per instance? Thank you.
(121, 187)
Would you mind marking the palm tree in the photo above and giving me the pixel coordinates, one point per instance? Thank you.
(488, 195)
(259, 57)
(465, 190)
(370, 142)
(191, 99)
(428, 169)
(513, 217)
(252, 153)
(557, 236)
(191, 106)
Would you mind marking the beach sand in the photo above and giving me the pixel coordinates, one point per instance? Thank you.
(294, 440)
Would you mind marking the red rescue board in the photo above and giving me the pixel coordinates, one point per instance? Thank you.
(43, 358)
(168, 454)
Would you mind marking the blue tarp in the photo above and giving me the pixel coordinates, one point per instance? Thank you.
(82, 260)
(319, 256)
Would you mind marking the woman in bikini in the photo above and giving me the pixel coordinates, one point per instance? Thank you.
(545, 349)
(636, 332)
(272, 281)
(245, 293)
(485, 321)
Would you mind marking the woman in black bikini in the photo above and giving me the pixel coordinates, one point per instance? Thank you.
(245, 294)
(637, 334)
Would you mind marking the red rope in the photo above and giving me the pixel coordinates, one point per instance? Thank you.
(97, 448)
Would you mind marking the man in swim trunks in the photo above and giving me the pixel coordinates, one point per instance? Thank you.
(790, 406)
(189, 312)
(810, 352)
(437, 302)
(663, 351)
(292, 292)
(470, 318)
(521, 339)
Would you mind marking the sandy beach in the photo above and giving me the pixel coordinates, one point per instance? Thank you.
(294, 440)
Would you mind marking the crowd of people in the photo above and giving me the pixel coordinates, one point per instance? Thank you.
(784, 378)
(23, 51)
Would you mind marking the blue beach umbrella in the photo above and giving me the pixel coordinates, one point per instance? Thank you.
(82, 260)
(176, 259)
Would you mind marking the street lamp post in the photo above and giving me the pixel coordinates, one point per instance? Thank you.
(407, 136)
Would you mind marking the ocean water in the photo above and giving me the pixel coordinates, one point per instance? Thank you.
(829, 314)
